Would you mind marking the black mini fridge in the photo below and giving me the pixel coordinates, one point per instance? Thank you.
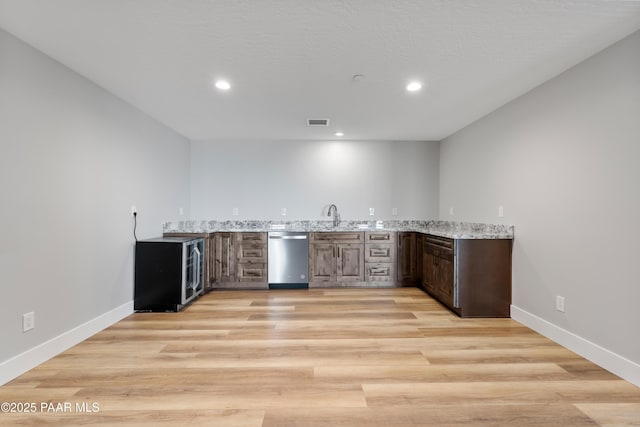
(169, 273)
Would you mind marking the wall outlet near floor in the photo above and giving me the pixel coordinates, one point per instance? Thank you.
(560, 303)
(28, 321)
(283, 211)
(234, 211)
(451, 211)
(500, 211)
(181, 211)
(372, 211)
(394, 211)
(134, 210)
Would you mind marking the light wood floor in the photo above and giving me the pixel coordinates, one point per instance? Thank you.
(323, 357)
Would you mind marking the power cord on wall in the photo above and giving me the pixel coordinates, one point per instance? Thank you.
(135, 225)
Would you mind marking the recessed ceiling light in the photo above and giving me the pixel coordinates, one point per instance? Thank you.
(414, 86)
(223, 85)
(339, 133)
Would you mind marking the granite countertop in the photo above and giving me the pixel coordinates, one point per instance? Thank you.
(450, 229)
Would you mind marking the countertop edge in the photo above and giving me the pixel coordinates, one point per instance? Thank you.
(448, 229)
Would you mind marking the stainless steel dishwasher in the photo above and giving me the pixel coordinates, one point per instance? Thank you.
(288, 260)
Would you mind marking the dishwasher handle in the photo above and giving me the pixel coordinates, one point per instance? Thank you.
(298, 237)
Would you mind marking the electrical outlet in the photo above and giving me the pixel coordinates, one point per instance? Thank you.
(451, 211)
(134, 210)
(394, 211)
(283, 211)
(500, 211)
(181, 211)
(28, 321)
(560, 304)
(372, 211)
(234, 212)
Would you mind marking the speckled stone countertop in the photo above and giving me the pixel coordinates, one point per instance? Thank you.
(450, 229)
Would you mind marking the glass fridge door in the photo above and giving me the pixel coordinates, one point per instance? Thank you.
(193, 270)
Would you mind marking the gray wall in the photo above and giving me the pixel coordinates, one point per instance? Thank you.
(74, 159)
(563, 161)
(261, 177)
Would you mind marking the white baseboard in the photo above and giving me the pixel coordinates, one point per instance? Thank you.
(31, 358)
(612, 362)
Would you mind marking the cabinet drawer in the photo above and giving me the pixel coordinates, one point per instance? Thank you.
(437, 241)
(380, 237)
(252, 253)
(379, 252)
(440, 247)
(379, 272)
(251, 237)
(337, 237)
(251, 272)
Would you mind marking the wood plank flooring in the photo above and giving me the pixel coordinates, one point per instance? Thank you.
(320, 357)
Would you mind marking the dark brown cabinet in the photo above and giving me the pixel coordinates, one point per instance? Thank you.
(438, 266)
(251, 257)
(241, 260)
(225, 258)
(470, 276)
(336, 258)
(407, 258)
(380, 257)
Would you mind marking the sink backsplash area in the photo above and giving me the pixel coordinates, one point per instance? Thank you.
(451, 229)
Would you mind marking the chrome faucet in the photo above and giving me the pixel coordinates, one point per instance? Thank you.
(336, 215)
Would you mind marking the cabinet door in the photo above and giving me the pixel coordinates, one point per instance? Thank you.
(225, 258)
(210, 254)
(407, 261)
(428, 268)
(322, 262)
(350, 262)
(443, 280)
(419, 257)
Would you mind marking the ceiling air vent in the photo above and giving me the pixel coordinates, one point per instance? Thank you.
(317, 122)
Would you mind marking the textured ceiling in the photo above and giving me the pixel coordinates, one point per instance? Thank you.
(290, 60)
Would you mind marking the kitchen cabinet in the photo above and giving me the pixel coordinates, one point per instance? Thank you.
(438, 265)
(251, 257)
(380, 257)
(209, 256)
(419, 258)
(336, 258)
(407, 258)
(241, 260)
(472, 277)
